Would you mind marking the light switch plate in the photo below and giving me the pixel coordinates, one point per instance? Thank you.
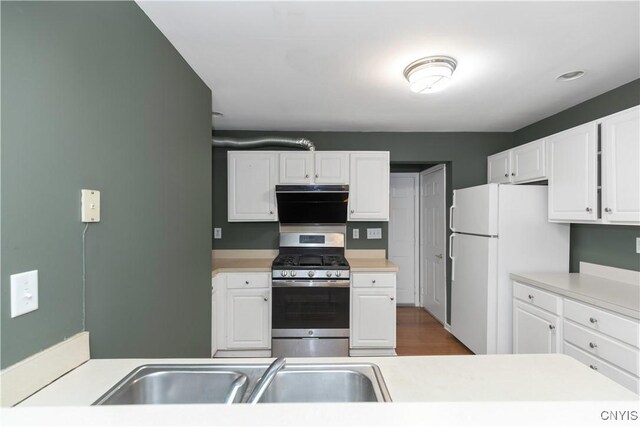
(374, 233)
(24, 293)
(217, 233)
(90, 202)
(356, 233)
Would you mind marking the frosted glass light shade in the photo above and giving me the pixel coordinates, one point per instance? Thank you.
(430, 74)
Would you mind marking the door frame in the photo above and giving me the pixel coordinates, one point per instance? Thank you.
(441, 167)
(416, 228)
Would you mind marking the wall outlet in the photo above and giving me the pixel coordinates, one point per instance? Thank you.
(217, 233)
(356, 233)
(638, 245)
(24, 293)
(90, 205)
(374, 233)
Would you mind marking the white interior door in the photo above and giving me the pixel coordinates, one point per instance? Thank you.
(403, 234)
(432, 245)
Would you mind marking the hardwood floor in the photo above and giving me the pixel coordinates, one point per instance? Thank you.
(420, 334)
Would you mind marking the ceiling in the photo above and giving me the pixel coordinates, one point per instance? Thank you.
(338, 65)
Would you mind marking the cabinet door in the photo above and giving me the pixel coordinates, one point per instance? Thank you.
(252, 177)
(528, 162)
(296, 167)
(572, 174)
(499, 168)
(214, 323)
(373, 318)
(621, 167)
(248, 319)
(369, 186)
(331, 167)
(534, 330)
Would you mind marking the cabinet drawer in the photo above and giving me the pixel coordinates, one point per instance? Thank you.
(537, 297)
(626, 330)
(248, 280)
(599, 345)
(378, 280)
(606, 369)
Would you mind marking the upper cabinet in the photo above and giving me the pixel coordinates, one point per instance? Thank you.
(331, 167)
(525, 163)
(620, 159)
(252, 178)
(369, 186)
(499, 168)
(572, 165)
(605, 150)
(314, 167)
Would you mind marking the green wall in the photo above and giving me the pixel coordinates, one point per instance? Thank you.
(94, 96)
(612, 245)
(464, 153)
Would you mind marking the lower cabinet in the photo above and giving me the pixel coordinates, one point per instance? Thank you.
(241, 315)
(607, 342)
(373, 313)
(534, 330)
(248, 319)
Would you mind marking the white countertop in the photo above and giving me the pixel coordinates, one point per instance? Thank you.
(426, 390)
(549, 377)
(619, 297)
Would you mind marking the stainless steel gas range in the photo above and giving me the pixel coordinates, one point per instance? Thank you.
(310, 296)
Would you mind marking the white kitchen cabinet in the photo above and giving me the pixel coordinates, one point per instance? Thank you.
(214, 313)
(369, 186)
(296, 167)
(528, 162)
(607, 342)
(248, 318)
(534, 330)
(499, 168)
(572, 174)
(252, 178)
(314, 167)
(536, 320)
(331, 167)
(241, 314)
(621, 167)
(373, 313)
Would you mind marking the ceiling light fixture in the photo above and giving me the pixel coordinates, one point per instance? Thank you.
(571, 75)
(430, 74)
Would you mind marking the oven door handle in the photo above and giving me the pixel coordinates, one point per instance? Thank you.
(309, 284)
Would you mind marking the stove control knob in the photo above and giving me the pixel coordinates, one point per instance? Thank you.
(328, 274)
(293, 273)
(284, 273)
(311, 273)
(338, 274)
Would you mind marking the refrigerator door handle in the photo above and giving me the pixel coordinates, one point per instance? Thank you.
(451, 217)
(453, 261)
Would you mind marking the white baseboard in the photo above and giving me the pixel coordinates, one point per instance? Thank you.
(19, 381)
(611, 273)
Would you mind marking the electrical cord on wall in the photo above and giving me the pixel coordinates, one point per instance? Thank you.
(84, 280)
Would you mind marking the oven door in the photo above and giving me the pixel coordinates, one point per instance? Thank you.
(304, 306)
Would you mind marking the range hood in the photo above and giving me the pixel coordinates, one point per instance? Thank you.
(312, 204)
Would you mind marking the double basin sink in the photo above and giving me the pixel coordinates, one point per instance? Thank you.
(248, 383)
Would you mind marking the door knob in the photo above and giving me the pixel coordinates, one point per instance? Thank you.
(607, 210)
(551, 327)
(593, 345)
(439, 256)
(588, 210)
(317, 176)
(392, 298)
(306, 176)
(506, 175)
(352, 211)
(266, 299)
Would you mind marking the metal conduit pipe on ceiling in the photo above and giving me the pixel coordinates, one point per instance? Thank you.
(246, 143)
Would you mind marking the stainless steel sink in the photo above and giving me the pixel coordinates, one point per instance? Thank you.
(198, 383)
(327, 383)
(233, 383)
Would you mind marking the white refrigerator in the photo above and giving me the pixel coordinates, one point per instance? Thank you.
(497, 230)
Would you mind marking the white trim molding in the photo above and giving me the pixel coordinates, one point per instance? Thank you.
(19, 381)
